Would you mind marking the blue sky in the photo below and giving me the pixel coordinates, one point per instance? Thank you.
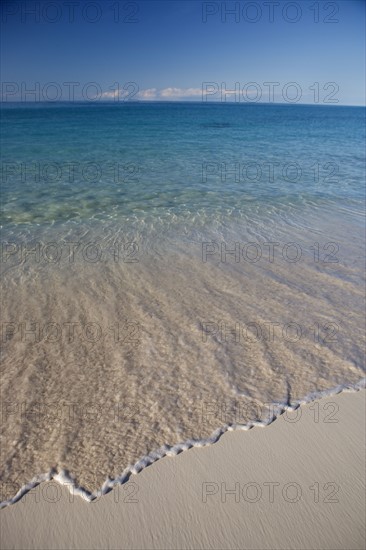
(170, 48)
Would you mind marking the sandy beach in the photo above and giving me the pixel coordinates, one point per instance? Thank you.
(295, 484)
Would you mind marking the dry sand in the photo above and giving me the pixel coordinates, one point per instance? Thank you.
(295, 485)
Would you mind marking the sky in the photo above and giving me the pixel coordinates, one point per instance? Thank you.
(153, 50)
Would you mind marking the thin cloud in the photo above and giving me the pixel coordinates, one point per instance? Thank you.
(180, 92)
(169, 93)
(111, 95)
(150, 93)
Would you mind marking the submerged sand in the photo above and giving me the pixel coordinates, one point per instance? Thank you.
(105, 362)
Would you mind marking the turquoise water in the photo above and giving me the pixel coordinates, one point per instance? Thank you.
(151, 160)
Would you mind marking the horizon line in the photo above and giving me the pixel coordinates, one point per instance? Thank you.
(172, 101)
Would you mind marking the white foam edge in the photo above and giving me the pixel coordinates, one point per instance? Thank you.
(64, 478)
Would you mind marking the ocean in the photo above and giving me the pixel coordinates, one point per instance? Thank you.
(171, 271)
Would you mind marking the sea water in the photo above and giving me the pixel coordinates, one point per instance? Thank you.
(170, 270)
